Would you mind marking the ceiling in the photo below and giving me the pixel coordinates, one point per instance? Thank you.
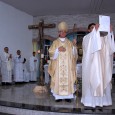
(62, 7)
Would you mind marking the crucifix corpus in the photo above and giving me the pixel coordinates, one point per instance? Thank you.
(41, 26)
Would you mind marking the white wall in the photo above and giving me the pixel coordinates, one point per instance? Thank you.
(14, 31)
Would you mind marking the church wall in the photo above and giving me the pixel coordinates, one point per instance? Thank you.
(81, 20)
(14, 31)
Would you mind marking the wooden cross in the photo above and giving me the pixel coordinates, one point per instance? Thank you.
(41, 26)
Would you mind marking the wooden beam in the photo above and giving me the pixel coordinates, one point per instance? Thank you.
(44, 26)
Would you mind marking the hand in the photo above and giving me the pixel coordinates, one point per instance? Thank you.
(35, 60)
(97, 26)
(74, 41)
(61, 49)
(24, 60)
(10, 56)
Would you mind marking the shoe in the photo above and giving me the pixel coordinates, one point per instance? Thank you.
(58, 100)
(100, 109)
(93, 110)
(68, 100)
(90, 108)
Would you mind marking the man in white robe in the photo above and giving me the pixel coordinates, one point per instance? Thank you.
(33, 67)
(97, 67)
(18, 67)
(6, 66)
(62, 66)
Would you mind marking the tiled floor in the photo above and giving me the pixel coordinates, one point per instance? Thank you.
(22, 96)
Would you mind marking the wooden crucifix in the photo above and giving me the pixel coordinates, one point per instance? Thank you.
(41, 26)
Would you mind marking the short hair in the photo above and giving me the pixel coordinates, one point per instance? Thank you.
(90, 25)
(5, 47)
(18, 51)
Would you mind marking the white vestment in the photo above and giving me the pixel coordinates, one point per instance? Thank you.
(33, 68)
(18, 69)
(71, 96)
(97, 69)
(6, 67)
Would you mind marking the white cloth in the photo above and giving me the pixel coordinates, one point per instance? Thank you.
(71, 96)
(97, 69)
(47, 77)
(33, 68)
(6, 67)
(18, 69)
(54, 57)
(26, 74)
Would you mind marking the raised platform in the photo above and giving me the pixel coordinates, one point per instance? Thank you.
(19, 99)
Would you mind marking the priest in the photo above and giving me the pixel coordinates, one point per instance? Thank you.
(33, 67)
(62, 67)
(18, 67)
(97, 67)
(6, 66)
